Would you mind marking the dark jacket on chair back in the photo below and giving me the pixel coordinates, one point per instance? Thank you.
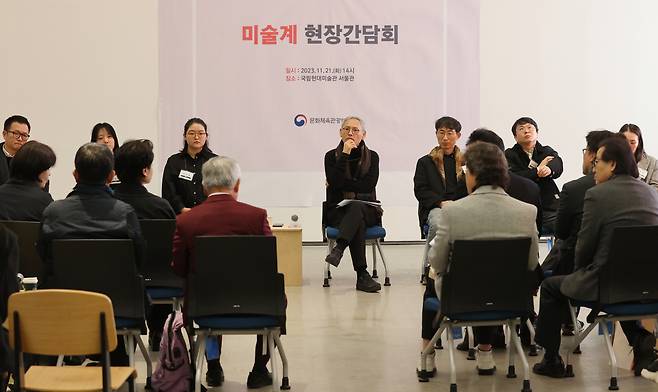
(23, 200)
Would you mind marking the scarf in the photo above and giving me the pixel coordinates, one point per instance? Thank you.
(437, 156)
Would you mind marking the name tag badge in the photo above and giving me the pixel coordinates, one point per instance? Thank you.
(643, 173)
(186, 175)
(532, 165)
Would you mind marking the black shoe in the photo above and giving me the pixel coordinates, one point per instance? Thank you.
(365, 282)
(154, 341)
(463, 346)
(643, 351)
(550, 367)
(334, 256)
(259, 379)
(215, 374)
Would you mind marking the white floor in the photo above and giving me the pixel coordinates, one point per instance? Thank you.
(343, 340)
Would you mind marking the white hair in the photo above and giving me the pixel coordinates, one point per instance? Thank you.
(346, 119)
(220, 172)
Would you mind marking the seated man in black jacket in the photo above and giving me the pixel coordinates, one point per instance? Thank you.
(90, 211)
(538, 163)
(133, 162)
(352, 171)
(23, 197)
(439, 178)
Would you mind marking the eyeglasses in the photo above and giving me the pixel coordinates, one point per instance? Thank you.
(196, 134)
(20, 135)
(447, 133)
(351, 129)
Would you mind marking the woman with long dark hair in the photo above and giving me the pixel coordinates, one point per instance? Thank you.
(646, 164)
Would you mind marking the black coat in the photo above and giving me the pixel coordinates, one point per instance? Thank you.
(526, 191)
(518, 162)
(4, 167)
(179, 192)
(146, 205)
(23, 200)
(429, 188)
(90, 211)
(337, 181)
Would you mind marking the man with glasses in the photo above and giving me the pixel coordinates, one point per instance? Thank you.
(352, 171)
(15, 133)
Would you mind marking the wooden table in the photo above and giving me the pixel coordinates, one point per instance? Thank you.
(289, 253)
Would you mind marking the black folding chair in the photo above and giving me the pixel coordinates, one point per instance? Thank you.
(235, 289)
(628, 288)
(162, 285)
(28, 234)
(106, 266)
(502, 297)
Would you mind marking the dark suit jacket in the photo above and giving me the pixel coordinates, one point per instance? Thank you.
(23, 200)
(89, 211)
(4, 168)
(526, 191)
(618, 202)
(146, 205)
(217, 215)
(518, 162)
(429, 188)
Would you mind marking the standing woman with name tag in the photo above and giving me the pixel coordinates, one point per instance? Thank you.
(181, 181)
(646, 164)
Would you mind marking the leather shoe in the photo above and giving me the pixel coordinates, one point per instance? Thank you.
(550, 367)
(259, 379)
(643, 351)
(334, 256)
(365, 282)
(215, 374)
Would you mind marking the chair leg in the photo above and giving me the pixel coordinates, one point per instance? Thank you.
(532, 352)
(200, 355)
(327, 272)
(130, 348)
(471, 344)
(611, 355)
(374, 261)
(387, 279)
(285, 382)
(275, 366)
(60, 360)
(451, 354)
(147, 359)
(526, 368)
(511, 349)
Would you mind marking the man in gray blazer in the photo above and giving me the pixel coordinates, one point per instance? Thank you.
(619, 199)
(487, 213)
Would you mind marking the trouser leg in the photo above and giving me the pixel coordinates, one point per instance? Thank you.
(553, 311)
(260, 360)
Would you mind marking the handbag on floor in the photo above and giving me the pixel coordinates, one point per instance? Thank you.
(173, 372)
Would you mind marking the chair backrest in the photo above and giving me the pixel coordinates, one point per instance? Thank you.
(158, 235)
(631, 272)
(67, 322)
(487, 275)
(104, 266)
(235, 275)
(28, 234)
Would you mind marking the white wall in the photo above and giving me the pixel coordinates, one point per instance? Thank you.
(69, 64)
(573, 65)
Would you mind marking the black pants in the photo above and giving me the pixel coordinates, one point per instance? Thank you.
(157, 316)
(554, 311)
(427, 318)
(260, 360)
(352, 221)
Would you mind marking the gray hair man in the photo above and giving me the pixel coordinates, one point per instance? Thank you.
(221, 214)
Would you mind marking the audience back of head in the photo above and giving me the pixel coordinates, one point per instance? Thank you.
(487, 163)
(616, 149)
(94, 164)
(487, 136)
(132, 158)
(31, 160)
(220, 173)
